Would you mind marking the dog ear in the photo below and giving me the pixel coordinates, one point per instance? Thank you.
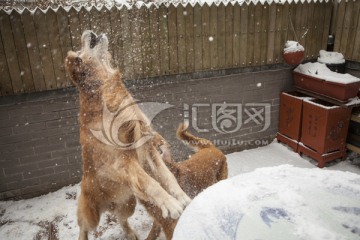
(74, 67)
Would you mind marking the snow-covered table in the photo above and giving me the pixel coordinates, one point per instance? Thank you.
(276, 203)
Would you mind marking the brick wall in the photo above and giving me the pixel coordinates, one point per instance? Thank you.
(39, 136)
(39, 143)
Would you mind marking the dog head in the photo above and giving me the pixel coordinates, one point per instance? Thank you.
(90, 67)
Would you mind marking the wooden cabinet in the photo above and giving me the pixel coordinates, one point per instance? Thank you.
(291, 104)
(313, 127)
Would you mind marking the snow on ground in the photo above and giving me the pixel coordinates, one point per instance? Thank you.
(54, 214)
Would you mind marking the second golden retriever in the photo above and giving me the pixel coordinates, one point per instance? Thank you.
(204, 168)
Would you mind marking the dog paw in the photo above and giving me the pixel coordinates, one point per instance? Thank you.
(171, 207)
(183, 198)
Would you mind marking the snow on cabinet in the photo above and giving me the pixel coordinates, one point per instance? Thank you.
(317, 78)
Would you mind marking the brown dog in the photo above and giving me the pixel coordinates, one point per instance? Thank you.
(119, 152)
(206, 167)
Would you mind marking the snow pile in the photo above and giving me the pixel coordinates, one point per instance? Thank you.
(283, 202)
(33, 218)
(319, 70)
(293, 46)
(330, 57)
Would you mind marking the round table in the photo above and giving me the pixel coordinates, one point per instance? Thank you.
(281, 202)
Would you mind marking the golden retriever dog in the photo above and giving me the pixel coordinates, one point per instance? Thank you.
(120, 158)
(204, 168)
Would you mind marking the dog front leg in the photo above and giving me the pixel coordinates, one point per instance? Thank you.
(166, 178)
(147, 189)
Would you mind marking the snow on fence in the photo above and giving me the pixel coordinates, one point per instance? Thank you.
(156, 40)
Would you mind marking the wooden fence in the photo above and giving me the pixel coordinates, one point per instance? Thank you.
(347, 29)
(156, 41)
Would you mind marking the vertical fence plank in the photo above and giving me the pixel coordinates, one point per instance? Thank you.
(127, 47)
(145, 42)
(291, 18)
(311, 31)
(96, 21)
(190, 28)
(304, 27)
(154, 41)
(105, 16)
(346, 27)
(135, 20)
(250, 35)
(326, 27)
(180, 36)
(221, 28)
(84, 18)
(213, 37)
(300, 9)
(257, 34)
(320, 10)
(278, 26)
(352, 30)
(5, 78)
(75, 29)
(356, 51)
(116, 41)
(243, 34)
(264, 34)
(314, 32)
(65, 36)
(45, 49)
(56, 52)
(22, 53)
(297, 24)
(198, 61)
(10, 52)
(229, 36)
(173, 50)
(33, 51)
(340, 15)
(271, 34)
(206, 52)
(236, 35)
(313, 25)
(164, 40)
(285, 27)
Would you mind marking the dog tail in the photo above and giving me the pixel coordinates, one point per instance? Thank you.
(195, 142)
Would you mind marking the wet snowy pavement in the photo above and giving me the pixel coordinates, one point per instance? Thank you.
(276, 189)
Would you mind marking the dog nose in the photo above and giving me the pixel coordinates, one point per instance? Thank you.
(93, 40)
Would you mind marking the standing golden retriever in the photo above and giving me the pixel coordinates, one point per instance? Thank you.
(204, 168)
(119, 152)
